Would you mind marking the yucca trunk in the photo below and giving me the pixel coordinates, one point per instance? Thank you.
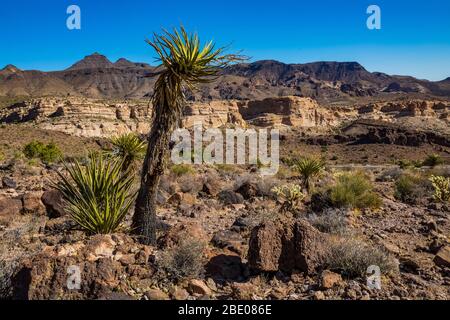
(167, 115)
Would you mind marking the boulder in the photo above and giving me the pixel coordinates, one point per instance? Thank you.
(198, 287)
(248, 190)
(156, 294)
(329, 279)
(286, 246)
(53, 202)
(9, 183)
(32, 203)
(9, 207)
(49, 274)
(442, 258)
(181, 232)
(229, 197)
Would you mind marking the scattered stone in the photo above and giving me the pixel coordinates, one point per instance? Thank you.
(228, 239)
(198, 287)
(9, 207)
(442, 258)
(9, 183)
(229, 197)
(53, 201)
(329, 279)
(32, 203)
(179, 294)
(248, 190)
(156, 294)
(319, 295)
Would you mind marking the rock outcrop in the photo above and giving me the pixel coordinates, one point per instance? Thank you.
(286, 246)
(92, 118)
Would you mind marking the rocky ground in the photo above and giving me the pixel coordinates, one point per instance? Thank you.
(246, 248)
(222, 233)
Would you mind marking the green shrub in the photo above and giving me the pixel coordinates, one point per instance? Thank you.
(184, 260)
(411, 188)
(182, 169)
(433, 160)
(46, 153)
(308, 168)
(128, 148)
(98, 195)
(441, 188)
(354, 190)
(352, 257)
(2, 156)
(290, 197)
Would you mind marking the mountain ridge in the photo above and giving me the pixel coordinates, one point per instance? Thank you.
(95, 76)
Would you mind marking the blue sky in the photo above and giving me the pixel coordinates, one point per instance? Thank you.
(414, 39)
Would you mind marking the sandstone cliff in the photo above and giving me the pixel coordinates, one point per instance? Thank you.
(96, 118)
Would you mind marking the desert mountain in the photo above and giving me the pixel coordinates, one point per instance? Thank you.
(329, 82)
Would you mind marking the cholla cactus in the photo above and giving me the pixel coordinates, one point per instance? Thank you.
(441, 188)
(290, 196)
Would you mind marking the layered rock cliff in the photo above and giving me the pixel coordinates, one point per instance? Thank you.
(94, 118)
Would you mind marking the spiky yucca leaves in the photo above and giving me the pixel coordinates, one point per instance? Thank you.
(184, 64)
(98, 195)
(308, 168)
(128, 148)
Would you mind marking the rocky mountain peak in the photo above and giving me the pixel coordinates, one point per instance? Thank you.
(10, 69)
(95, 60)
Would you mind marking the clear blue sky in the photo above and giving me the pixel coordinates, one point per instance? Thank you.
(414, 39)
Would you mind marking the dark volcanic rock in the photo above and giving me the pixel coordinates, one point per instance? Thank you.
(287, 246)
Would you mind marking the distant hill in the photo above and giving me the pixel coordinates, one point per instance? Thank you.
(97, 77)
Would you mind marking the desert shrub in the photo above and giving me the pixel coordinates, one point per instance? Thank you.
(441, 187)
(308, 168)
(2, 156)
(184, 260)
(351, 257)
(331, 221)
(411, 188)
(47, 153)
(354, 190)
(433, 160)
(182, 169)
(289, 196)
(390, 174)
(128, 148)
(98, 195)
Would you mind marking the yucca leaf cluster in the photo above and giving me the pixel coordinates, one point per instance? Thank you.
(128, 148)
(98, 195)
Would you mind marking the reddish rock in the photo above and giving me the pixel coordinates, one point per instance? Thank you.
(53, 202)
(156, 294)
(198, 287)
(9, 207)
(286, 246)
(181, 232)
(32, 203)
(442, 258)
(329, 279)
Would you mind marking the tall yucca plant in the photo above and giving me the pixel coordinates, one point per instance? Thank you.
(185, 62)
(128, 148)
(308, 168)
(98, 196)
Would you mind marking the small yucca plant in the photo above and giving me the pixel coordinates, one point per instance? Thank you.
(128, 148)
(308, 168)
(441, 188)
(98, 196)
